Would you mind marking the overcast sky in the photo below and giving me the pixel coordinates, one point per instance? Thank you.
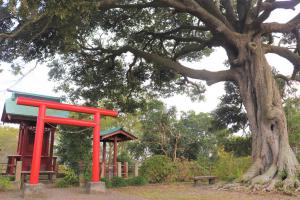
(37, 81)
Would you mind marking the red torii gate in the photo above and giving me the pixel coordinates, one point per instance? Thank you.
(42, 118)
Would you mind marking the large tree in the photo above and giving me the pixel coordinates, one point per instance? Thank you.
(94, 36)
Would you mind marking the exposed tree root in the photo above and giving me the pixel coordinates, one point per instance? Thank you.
(252, 172)
(266, 177)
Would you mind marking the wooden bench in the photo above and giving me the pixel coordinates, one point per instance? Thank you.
(211, 179)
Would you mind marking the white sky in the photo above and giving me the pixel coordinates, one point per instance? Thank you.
(37, 81)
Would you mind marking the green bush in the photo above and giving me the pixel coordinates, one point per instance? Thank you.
(118, 182)
(5, 184)
(158, 169)
(186, 170)
(228, 167)
(139, 180)
(70, 179)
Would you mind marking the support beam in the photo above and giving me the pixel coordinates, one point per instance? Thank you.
(96, 149)
(125, 169)
(18, 174)
(104, 159)
(119, 166)
(37, 149)
(52, 131)
(115, 156)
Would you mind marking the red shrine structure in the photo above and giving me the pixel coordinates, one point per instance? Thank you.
(114, 135)
(26, 118)
(44, 117)
(38, 117)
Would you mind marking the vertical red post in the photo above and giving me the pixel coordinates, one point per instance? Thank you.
(52, 131)
(19, 138)
(96, 149)
(37, 148)
(115, 167)
(104, 159)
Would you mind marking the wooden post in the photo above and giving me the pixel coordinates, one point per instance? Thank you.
(18, 174)
(136, 169)
(125, 169)
(115, 156)
(104, 160)
(119, 169)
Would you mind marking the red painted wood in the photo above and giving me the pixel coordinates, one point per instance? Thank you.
(41, 119)
(37, 149)
(115, 167)
(68, 121)
(96, 149)
(66, 107)
(104, 159)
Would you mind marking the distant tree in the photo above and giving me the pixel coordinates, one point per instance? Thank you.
(8, 142)
(230, 111)
(292, 109)
(74, 146)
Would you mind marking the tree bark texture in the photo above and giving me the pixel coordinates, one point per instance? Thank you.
(273, 158)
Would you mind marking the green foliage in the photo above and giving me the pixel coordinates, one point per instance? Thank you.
(70, 179)
(185, 170)
(230, 112)
(118, 182)
(239, 146)
(283, 174)
(228, 167)
(8, 142)
(107, 182)
(157, 169)
(5, 183)
(164, 134)
(292, 110)
(136, 181)
(125, 157)
(74, 145)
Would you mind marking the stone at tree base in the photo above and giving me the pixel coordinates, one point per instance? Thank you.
(95, 187)
(34, 191)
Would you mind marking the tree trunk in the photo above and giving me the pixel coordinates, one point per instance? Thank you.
(273, 158)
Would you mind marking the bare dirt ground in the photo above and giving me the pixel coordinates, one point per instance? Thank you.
(73, 194)
(154, 192)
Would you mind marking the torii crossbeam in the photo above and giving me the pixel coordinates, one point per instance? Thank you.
(43, 118)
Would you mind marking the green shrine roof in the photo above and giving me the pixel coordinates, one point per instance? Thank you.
(110, 131)
(14, 113)
(119, 132)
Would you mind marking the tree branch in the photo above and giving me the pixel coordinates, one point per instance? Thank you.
(229, 11)
(283, 28)
(208, 76)
(268, 7)
(192, 48)
(289, 55)
(21, 27)
(213, 23)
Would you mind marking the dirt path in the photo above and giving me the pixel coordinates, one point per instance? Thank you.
(189, 192)
(153, 192)
(73, 194)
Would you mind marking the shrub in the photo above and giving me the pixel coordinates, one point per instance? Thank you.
(70, 179)
(5, 184)
(118, 182)
(158, 169)
(228, 167)
(139, 180)
(186, 170)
